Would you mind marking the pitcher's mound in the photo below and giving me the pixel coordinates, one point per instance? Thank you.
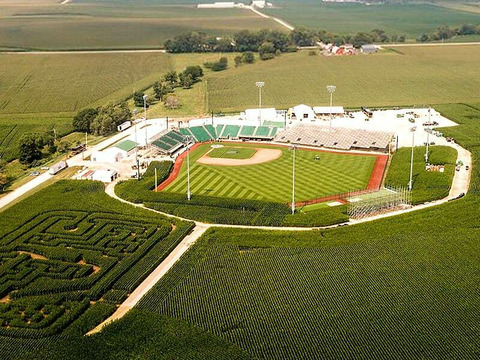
(261, 156)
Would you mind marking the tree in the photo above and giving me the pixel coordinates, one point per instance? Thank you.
(220, 65)
(302, 37)
(29, 148)
(138, 98)
(109, 117)
(248, 57)
(267, 51)
(83, 119)
(186, 80)
(159, 90)
(171, 77)
(3, 176)
(195, 71)
(172, 102)
(423, 38)
(238, 60)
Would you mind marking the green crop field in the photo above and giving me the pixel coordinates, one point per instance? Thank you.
(272, 181)
(116, 26)
(232, 152)
(401, 19)
(404, 76)
(58, 258)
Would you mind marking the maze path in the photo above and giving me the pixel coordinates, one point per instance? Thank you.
(59, 263)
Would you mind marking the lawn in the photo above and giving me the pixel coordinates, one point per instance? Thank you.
(406, 76)
(232, 152)
(272, 181)
(400, 19)
(427, 185)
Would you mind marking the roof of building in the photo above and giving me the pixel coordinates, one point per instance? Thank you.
(126, 145)
(328, 110)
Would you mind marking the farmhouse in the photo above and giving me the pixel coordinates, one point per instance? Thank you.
(301, 112)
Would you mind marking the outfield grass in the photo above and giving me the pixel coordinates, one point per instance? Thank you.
(401, 19)
(272, 181)
(409, 76)
(232, 152)
(427, 185)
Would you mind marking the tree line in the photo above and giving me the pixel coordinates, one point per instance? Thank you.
(445, 32)
(271, 42)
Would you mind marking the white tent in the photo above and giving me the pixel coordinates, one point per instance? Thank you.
(261, 115)
(302, 113)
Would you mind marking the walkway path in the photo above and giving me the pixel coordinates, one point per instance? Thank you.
(280, 21)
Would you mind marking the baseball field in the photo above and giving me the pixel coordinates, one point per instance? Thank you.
(235, 171)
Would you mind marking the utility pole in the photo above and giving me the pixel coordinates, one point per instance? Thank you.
(189, 195)
(428, 133)
(331, 90)
(293, 178)
(136, 142)
(260, 84)
(410, 183)
(156, 183)
(145, 118)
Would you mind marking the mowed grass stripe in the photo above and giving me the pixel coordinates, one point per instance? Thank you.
(332, 173)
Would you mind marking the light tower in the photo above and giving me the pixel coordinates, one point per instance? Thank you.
(260, 84)
(189, 194)
(135, 111)
(294, 147)
(331, 89)
(428, 133)
(145, 117)
(410, 183)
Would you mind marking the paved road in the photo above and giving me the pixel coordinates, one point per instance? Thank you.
(280, 21)
(430, 44)
(77, 52)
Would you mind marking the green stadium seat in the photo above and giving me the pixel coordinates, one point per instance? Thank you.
(219, 129)
(262, 131)
(230, 131)
(247, 131)
(211, 130)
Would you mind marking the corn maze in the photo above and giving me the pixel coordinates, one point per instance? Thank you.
(59, 264)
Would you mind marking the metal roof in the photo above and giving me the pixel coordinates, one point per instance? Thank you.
(126, 145)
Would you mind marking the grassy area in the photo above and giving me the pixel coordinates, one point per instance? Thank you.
(272, 181)
(232, 152)
(427, 185)
(60, 257)
(400, 19)
(408, 76)
(117, 26)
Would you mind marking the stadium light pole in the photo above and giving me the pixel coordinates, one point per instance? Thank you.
(410, 183)
(428, 133)
(331, 89)
(260, 84)
(145, 117)
(189, 194)
(136, 142)
(293, 178)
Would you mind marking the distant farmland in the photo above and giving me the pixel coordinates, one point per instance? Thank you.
(401, 19)
(119, 26)
(412, 76)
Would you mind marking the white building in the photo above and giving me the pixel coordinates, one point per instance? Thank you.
(327, 110)
(55, 169)
(261, 115)
(110, 155)
(105, 176)
(261, 4)
(217, 5)
(301, 112)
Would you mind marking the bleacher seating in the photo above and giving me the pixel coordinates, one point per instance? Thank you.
(211, 131)
(336, 138)
(201, 134)
(230, 131)
(219, 129)
(246, 131)
(170, 142)
(262, 131)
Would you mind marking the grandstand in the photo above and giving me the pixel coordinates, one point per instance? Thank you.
(168, 142)
(200, 133)
(205, 133)
(335, 138)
